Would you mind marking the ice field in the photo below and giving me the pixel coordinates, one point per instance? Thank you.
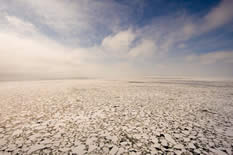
(146, 116)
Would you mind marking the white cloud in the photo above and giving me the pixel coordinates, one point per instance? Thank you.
(70, 18)
(218, 16)
(144, 49)
(27, 52)
(34, 56)
(215, 57)
(222, 57)
(119, 43)
(40, 57)
(122, 45)
(58, 14)
(20, 26)
(30, 47)
(189, 30)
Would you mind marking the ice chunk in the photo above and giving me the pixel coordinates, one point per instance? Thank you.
(164, 143)
(2, 142)
(179, 146)
(17, 133)
(120, 151)
(218, 152)
(91, 148)
(79, 150)
(35, 148)
(169, 139)
(191, 146)
(113, 150)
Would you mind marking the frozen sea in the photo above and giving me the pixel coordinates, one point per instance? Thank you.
(96, 116)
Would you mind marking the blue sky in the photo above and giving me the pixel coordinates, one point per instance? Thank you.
(116, 38)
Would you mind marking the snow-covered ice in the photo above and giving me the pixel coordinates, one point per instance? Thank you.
(145, 116)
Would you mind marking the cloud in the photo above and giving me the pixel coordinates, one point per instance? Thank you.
(223, 57)
(27, 52)
(59, 38)
(144, 49)
(119, 43)
(128, 44)
(70, 16)
(37, 57)
(20, 26)
(218, 16)
(40, 57)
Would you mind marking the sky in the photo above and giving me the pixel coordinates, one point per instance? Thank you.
(115, 38)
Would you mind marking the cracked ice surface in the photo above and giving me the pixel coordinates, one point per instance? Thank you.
(116, 117)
